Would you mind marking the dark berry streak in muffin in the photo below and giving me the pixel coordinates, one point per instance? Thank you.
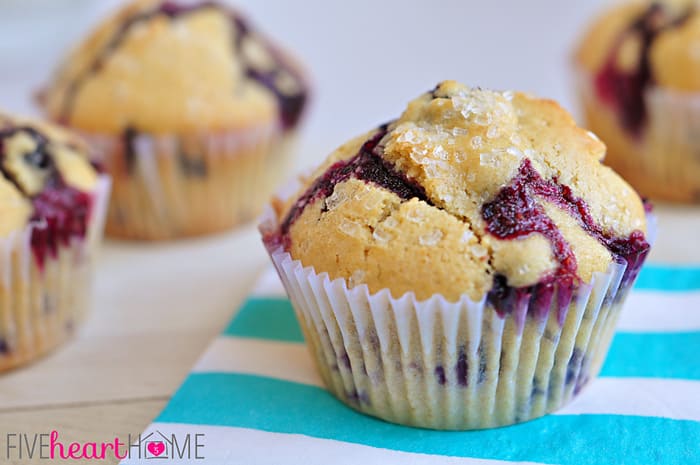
(291, 104)
(368, 166)
(60, 211)
(624, 89)
(466, 260)
(515, 212)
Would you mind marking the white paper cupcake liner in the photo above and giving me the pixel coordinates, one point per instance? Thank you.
(42, 305)
(663, 162)
(449, 365)
(174, 186)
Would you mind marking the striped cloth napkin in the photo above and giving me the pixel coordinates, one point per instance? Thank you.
(255, 398)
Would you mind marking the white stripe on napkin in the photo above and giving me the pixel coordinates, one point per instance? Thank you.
(645, 397)
(273, 359)
(653, 311)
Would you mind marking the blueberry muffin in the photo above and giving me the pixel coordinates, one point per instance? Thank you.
(638, 78)
(52, 205)
(189, 108)
(463, 266)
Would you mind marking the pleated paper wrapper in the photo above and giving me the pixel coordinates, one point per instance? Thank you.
(169, 186)
(450, 365)
(42, 305)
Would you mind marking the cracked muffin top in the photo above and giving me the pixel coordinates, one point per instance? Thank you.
(638, 45)
(44, 177)
(162, 66)
(469, 189)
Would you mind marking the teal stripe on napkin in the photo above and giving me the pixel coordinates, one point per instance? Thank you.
(657, 355)
(266, 318)
(668, 279)
(285, 407)
(275, 405)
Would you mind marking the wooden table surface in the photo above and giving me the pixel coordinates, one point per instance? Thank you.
(156, 307)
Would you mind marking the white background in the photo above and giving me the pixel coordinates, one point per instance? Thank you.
(366, 58)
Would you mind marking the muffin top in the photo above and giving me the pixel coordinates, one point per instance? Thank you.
(467, 190)
(45, 178)
(162, 67)
(641, 44)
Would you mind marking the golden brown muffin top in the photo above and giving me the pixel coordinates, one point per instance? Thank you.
(39, 163)
(661, 35)
(467, 187)
(168, 67)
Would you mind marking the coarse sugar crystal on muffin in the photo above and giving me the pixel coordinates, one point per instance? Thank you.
(637, 75)
(464, 265)
(189, 107)
(52, 203)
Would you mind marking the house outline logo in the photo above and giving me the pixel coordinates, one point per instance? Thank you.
(157, 445)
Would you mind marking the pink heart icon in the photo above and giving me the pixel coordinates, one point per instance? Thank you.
(156, 448)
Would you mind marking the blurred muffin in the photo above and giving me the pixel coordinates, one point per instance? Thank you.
(188, 107)
(463, 266)
(52, 205)
(638, 78)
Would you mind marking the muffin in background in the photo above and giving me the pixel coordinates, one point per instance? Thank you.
(637, 74)
(463, 266)
(188, 107)
(52, 208)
